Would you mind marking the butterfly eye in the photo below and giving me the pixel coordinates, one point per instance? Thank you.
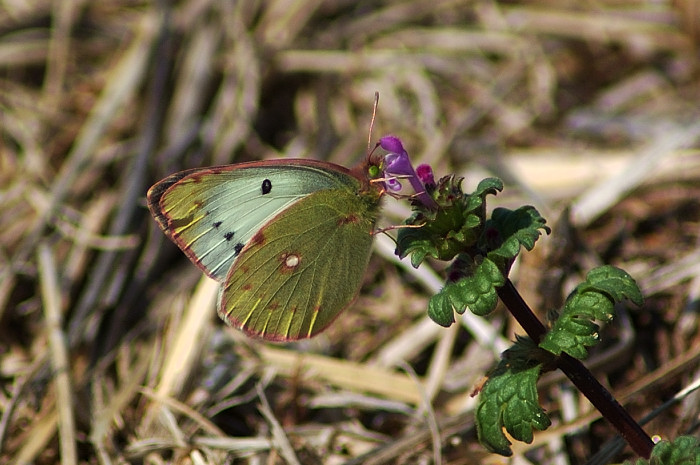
(373, 171)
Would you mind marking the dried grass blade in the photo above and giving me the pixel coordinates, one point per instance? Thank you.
(51, 296)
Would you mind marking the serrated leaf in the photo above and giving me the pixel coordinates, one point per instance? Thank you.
(684, 450)
(560, 340)
(593, 299)
(509, 400)
(442, 237)
(524, 223)
(508, 230)
(591, 305)
(453, 228)
(617, 283)
(416, 242)
(440, 308)
(488, 186)
(475, 289)
(479, 292)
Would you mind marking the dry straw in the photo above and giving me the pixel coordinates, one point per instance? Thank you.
(110, 352)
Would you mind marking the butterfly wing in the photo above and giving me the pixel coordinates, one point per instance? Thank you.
(212, 213)
(301, 269)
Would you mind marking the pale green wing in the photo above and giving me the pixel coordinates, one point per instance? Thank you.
(303, 267)
(212, 213)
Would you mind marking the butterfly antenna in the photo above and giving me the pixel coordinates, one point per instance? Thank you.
(371, 124)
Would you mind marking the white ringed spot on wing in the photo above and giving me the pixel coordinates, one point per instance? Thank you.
(289, 262)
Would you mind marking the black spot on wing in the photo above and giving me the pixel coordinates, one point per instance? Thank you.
(217, 224)
(229, 235)
(237, 248)
(266, 186)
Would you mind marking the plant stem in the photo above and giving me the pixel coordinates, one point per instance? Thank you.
(582, 378)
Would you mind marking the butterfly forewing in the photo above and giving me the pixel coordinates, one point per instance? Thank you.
(302, 268)
(211, 214)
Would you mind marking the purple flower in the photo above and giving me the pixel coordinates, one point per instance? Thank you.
(397, 166)
(425, 174)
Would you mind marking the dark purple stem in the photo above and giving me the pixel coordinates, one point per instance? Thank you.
(582, 378)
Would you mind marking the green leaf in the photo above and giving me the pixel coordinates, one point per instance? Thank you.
(453, 229)
(488, 186)
(684, 450)
(614, 282)
(450, 232)
(479, 292)
(524, 224)
(593, 299)
(417, 243)
(440, 308)
(476, 290)
(508, 230)
(509, 400)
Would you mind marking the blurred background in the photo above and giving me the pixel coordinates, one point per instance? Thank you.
(110, 347)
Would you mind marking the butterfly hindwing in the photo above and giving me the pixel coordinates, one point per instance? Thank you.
(302, 268)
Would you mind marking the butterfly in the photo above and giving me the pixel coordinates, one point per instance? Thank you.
(288, 239)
